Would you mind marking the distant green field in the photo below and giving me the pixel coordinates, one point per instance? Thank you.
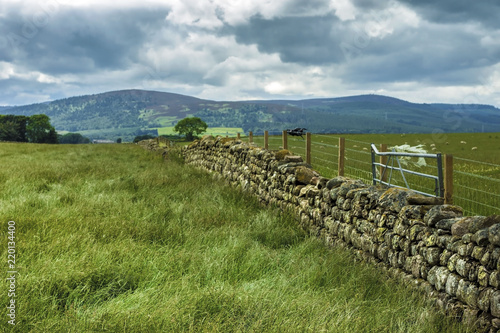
(488, 144)
(127, 134)
(166, 121)
(229, 131)
(166, 131)
(223, 131)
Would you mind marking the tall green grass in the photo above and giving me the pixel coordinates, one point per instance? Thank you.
(110, 238)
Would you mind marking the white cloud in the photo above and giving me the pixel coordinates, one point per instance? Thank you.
(489, 39)
(275, 88)
(415, 92)
(344, 9)
(490, 89)
(197, 13)
(239, 11)
(212, 14)
(43, 78)
(33, 97)
(6, 70)
(100, 3)
(384, 22)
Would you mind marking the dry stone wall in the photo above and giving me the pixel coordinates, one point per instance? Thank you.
(454, 259)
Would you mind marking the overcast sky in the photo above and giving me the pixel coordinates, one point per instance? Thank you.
(418, 50)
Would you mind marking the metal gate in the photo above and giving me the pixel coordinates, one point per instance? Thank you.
(394, 156)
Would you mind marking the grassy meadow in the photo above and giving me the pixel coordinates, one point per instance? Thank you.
(111, 238)
(488, 144)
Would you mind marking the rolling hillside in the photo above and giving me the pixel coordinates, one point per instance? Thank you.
(128, 113)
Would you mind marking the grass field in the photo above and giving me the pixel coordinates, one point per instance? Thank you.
(488, 144)
(110, 238)
(126, 134)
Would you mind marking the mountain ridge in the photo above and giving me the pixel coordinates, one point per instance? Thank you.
(125, 113)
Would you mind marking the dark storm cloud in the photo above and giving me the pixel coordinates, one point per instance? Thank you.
(299, 7)
(76, 41)
(372, 4)
(307, 40)
(485, 12)
(50, 50)
(426, 56)
(434, 54)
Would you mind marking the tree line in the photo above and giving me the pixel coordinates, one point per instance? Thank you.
(35, 129)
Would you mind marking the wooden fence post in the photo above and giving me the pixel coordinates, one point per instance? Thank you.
(383, 160)
(308, 148)
(266, 139)
(250, 137)
(285, 140)
(238, 135)
(448, 179)
(341, 156)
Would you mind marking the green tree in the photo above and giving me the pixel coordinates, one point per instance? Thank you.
(73, 138)
(39, 129)
(13, 128)
(190, 127)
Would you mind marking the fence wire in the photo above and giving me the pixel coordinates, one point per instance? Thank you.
(324, 156)
(476, 184)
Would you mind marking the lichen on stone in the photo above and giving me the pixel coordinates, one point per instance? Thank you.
(280, 155)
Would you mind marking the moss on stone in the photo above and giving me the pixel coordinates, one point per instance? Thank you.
(380, 234)
(207, 138)
(225, 140)
(280, 155)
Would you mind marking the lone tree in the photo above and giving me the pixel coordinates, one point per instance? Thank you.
(190, 127)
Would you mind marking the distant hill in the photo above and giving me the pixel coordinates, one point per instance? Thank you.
(128, 113)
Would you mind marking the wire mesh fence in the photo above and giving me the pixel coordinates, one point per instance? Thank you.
(275, 142)
(326, 155)
(476, 184)
(358, 160)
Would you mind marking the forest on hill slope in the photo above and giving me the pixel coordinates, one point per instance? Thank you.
(128, 113)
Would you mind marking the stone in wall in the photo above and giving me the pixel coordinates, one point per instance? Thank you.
(442, 212)
(494, 230)
(336, 182)
(305, 175)
(395, 199)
